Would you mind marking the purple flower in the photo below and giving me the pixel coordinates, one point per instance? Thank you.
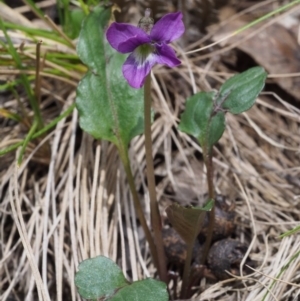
(146, 49)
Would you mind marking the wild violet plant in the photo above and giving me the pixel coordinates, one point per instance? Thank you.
(147, 45)
(110, 107)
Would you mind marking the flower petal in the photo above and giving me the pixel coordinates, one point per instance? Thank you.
(134, 72)
(166, 55)
(132, 43)
(169, 28)
(125, 37)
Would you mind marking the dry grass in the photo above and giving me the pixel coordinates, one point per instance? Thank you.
(76, 204)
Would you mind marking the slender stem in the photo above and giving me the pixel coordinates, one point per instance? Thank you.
(16, 57)
(187, 271)
(211, 195)
(37, 89)
(60, 31)
(27, 140)
(41, 132)
(155, 216)
(210, 174)
(137, 204)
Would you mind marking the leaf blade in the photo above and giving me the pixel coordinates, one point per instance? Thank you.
(92, 284)
(146, 290)
(200, 121)
(187, 221)
(194, 120)
(238, 94)
(108, 107)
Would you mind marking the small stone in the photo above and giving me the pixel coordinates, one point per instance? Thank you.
(226, 255)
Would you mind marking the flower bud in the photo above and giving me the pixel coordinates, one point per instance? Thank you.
(146, 23)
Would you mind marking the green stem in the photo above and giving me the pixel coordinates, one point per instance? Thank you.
(267, 16)
(84, 7)
(155, 216)
(284, 268)
(37, 89)
(41, 132)
(137, 204)
(211, 196)
(31, 98)
(26, 141)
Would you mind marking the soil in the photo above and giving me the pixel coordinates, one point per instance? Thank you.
(69, 199)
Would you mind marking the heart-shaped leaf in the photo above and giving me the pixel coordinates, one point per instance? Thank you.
(146, 290)
(101, 278)
(238, 94)
(200, 121)
(188, 221)
(108, 107)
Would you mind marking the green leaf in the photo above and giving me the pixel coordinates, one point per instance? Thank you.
(99, 277)
(200, 121)
(146, 290)
(77, 16)
(208, 205)
(290, 232)
(108, 107)
(188, 221)
(216, 128)
(238, 94)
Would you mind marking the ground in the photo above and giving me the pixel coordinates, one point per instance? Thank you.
(69, 199)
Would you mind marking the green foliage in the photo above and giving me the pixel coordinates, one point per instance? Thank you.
(199, 121)
(100, 277)
(281, 272)
(290, 232)
(40, 133)
(76, 17)
(204, 116)
(13, 58)
(71, 17)
(187, 221)
(9, 47)
(108, 107)
(146, 290)
(34, 8)
(238, 94)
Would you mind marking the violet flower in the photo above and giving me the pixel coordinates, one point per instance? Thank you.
(146, 49)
